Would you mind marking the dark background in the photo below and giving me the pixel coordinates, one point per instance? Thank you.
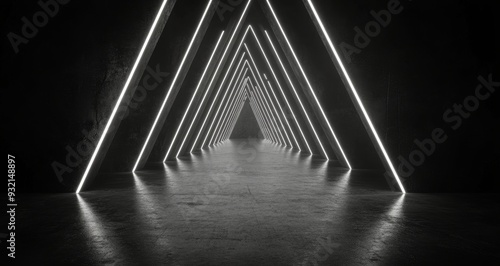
(67, 78)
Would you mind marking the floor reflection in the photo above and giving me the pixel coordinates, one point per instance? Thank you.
(105, 249)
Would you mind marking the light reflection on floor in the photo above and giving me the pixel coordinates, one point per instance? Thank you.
(252, 202)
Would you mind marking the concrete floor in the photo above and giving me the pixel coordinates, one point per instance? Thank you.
(254, 203)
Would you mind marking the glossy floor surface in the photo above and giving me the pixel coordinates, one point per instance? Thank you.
(250, 202)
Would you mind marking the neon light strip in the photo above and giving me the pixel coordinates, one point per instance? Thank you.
(358, 99)
(282, 92)
(237, 115)
(293, 135)
(216, 115)
(276, 98)
(194, 95)
(310, 88)
(171, 86)
(226, 120)
(199, 107)
(268, 95)
(230, 103)
(264, 112)
(226, 127)
(225, 107)
(264, 115)
(269, 110)
(300, 101)
(122, 94)
(237, 108)
(258, 120)
(259, 114)
(225, 76)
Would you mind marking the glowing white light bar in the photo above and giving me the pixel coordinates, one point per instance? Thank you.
(225, 115)
(260, 117)
(234, 121)
(358, 99)
(282, 92)
(225, 128)
(269, 96)
(171, 86)
(236, 116)
(276, 98)
(226, 121)
(225, 107)
(310, 88)
(199, 107)
(216, 114)
(265, 113)
(192, 98)
(257, 118)
(122, 94)
(225, 76)
(264, 117)
(270, 112)
(237, 109)
(298, 98)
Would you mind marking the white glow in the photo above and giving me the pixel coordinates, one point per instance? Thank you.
(272, 103)
(264, 117)
(228, 133)
(229, 106)
(298, 98)
(233, 117)
(282, 92)
(220, 62)
(171, 87)
(225, 106)
(257, 118)
(122, 94)
(237, 115)
(268, 109)
(226, 121)
(358, 99)
(265, 113)
(262, 127)
(260, 116)
(274, 107)
(192, 98)
(199, 108)
(310, 88)
(236, 110)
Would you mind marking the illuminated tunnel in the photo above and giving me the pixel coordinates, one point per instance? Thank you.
(251, 132)
(303, 101)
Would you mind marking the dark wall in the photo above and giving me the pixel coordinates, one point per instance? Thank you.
(428, 58)
(61, 84)
(246, 125)
(412, 72)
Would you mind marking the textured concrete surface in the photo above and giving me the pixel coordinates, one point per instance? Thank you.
(249, 202)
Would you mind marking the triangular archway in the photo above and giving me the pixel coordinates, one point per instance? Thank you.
(283, 94)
